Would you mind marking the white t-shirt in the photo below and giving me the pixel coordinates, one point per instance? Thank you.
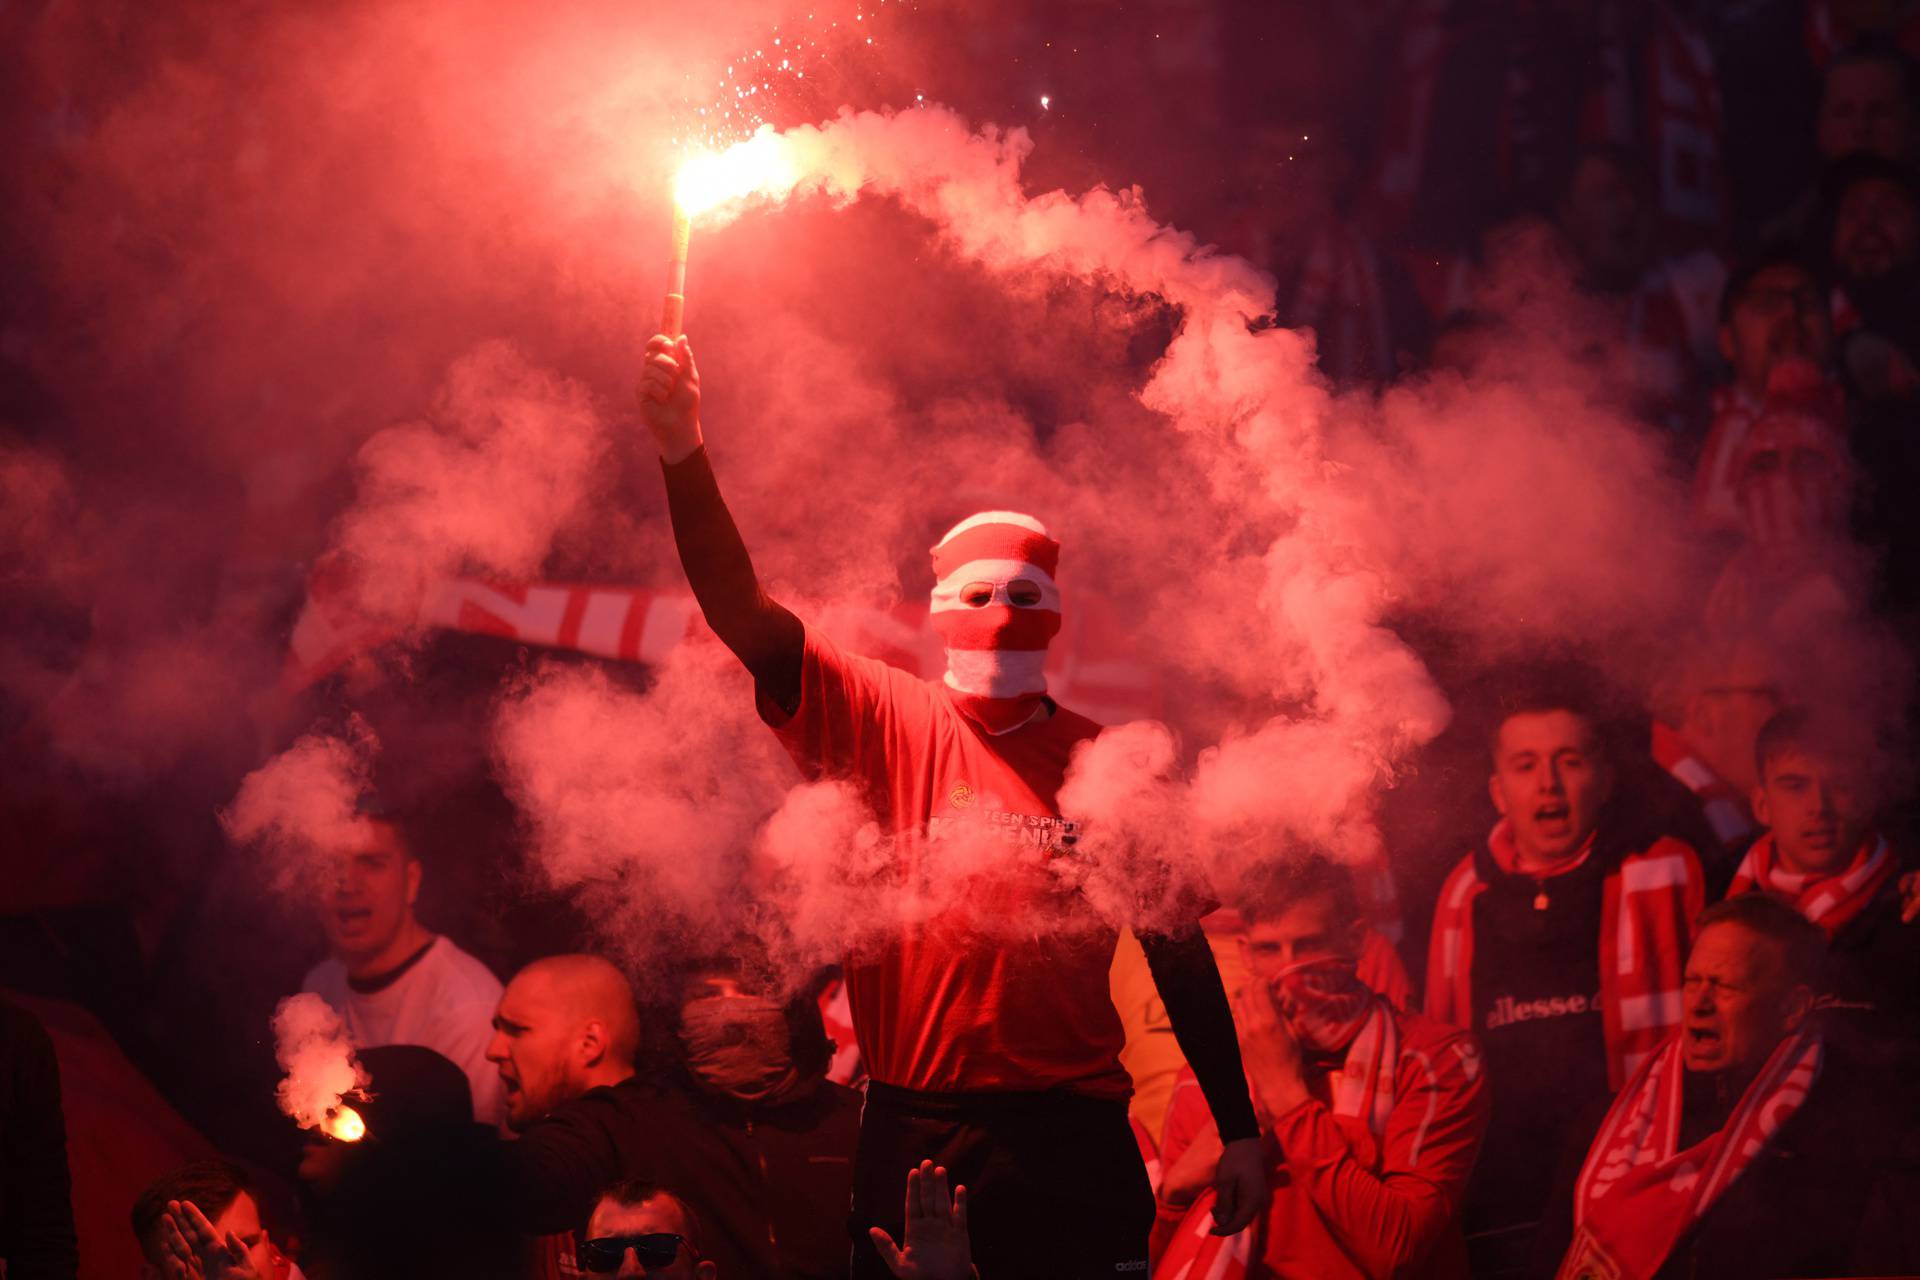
(444, 1002)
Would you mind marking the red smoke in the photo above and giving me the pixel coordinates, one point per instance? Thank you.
(375, 281)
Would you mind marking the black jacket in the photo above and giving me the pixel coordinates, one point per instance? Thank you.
(1536, 991)
(771, 1184)
(1812, 1203)
(1873, 979)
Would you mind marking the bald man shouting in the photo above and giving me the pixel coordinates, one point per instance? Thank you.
(564, 1041)
(566, 1025)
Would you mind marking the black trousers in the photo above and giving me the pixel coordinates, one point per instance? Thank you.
(1055, 1186)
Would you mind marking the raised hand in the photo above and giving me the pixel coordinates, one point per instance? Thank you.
(1271, 1054)
(936, 1246)
(669, 395)
(193, 1250)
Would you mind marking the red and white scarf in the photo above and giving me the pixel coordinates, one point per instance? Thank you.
(1092, 667)
(1362, 1090)
(997, 651)
(1646, 925)
(1725, 807)
(1830, 901)
(1638, 1194)
(1716, 506)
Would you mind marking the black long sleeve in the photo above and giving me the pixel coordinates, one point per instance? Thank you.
(1189, 985)
(769, 641)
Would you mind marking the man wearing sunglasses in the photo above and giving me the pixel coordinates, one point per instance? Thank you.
(638, 1229)
(990, 1036)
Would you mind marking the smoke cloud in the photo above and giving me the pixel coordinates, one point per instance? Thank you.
(303, 806)
(484, 485)
(1301, 521)
(382, 309)
(313, 1048)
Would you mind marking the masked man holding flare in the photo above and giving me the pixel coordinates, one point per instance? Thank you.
(997, 1057)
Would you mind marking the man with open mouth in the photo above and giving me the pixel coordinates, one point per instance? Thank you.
(392, 979)
(1559, 943)
(1749, 1144)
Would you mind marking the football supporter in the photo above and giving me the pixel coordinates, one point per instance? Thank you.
(637, 1229)
(1371, 1117)
(37, 1240)
(422, 1163)
(391, 979)
(1606, 220)
(757, 1078)
(1559, 944)
(1747, 1144)
(995, 1056)
(1822, 854)
(1772, 309)
(1151, 1056)
(565, 1025)
(936, 1245)
(1872, 238)
(567, 1035)
(1707, 718)
(1866, 108)
(201, 1220)
(1866, 103)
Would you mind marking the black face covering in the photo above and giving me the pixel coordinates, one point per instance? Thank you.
(740, 1046)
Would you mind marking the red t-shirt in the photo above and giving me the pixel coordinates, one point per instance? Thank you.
(973, 995)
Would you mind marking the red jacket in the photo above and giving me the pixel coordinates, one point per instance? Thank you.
(1348, 1203)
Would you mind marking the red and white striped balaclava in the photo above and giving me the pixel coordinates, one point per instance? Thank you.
(996, 607)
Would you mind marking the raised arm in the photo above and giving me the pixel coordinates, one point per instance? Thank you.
(765, 636)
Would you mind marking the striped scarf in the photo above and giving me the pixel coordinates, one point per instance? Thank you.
(1363, 1091)
(1649, 902)
(1715, 504)
(1830, 901)
(1638, 1194)
(1726, 809)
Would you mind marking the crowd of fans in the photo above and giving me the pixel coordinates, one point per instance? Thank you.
(1668, 1009)
(1601, 1062)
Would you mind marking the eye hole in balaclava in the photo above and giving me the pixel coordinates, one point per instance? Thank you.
(1022, 593)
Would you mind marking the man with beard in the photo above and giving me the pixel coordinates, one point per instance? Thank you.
(1873, 237)
(997, 1056)
(753, 1138)
(1873, 241)
(1372, 1117)
(1559, 944)
(1748, 1144)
